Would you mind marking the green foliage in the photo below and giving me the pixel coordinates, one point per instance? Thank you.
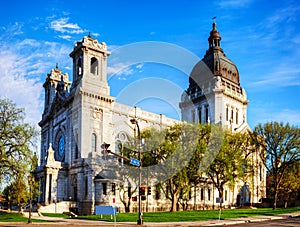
(16, 141)
(290, 187)
(231, 162)
(179, 149)
(18, 192)
(282, 145)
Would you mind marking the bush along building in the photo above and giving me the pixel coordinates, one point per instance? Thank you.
(76, 171)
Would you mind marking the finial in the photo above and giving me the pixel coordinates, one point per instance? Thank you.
(214, 19)
(214, 25)
(56, 66)
(89, 35)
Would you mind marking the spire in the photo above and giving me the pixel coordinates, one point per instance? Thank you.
(214, 38)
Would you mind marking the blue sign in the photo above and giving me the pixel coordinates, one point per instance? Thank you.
(134, 162)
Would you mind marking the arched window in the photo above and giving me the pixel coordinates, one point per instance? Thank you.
(94, 66)
(227, 113)
(94, 142)
(206, 114)
(120, 145)
(200, 114)
(193, 116)
(59, 154)
(76, 145)
(79, 67)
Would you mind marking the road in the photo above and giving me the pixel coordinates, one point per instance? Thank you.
(290, 222)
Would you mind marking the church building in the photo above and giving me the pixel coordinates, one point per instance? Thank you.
(81, 118)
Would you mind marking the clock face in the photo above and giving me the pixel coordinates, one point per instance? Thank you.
(61, 147)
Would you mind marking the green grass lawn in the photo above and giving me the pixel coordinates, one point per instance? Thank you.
(15, 217)
(56, 215)
(181, 216)
(202, 215)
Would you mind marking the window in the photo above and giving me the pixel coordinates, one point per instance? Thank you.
(113, 188)
(76, 145)
(60, 147)
(79, 67)
(202, 194)
(120, 140)
(206, 114)
(193, 115)
(94, 66)
(200, 114)
(232, 115)
(94, 142)
(208, 193)
(47, 97)
(237, 116)
(86, 186)
(227, 113)
(104, 189)
(225, 195)
(260, 172)
(129, 192)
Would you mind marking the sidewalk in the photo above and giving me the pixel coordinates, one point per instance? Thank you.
(53, 221)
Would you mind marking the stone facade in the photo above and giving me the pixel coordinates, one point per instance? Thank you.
(79, 118)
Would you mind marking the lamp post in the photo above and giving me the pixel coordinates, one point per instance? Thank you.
(30, 180)
(135, 122)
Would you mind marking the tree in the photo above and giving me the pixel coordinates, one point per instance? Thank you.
(16, 141)
(18, 192)
(290, 186)
(126, 192)
(178, 151)
(230, 163)
(162, 146)
(282, 145)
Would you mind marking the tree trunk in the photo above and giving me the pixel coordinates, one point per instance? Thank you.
(174, 204)
(275, 200)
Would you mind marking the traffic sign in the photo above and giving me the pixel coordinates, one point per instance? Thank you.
(134, 162)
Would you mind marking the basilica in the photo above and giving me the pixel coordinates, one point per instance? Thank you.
(81, 119)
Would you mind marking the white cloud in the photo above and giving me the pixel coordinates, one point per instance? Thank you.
(119, 69)
(139, 66)
(286, 115)
(66, 37)
(24, 65)
(233, 3)
(275, 79)
(62, 25)
(25, 92)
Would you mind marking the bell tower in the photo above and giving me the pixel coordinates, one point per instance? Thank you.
(214, 94)
(89, 66)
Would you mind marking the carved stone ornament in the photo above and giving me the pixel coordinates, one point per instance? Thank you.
(50, 157)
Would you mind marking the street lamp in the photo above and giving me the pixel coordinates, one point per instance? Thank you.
(134, 121)
(30, 181)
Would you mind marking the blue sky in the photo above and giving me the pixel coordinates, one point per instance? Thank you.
(261, 37)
